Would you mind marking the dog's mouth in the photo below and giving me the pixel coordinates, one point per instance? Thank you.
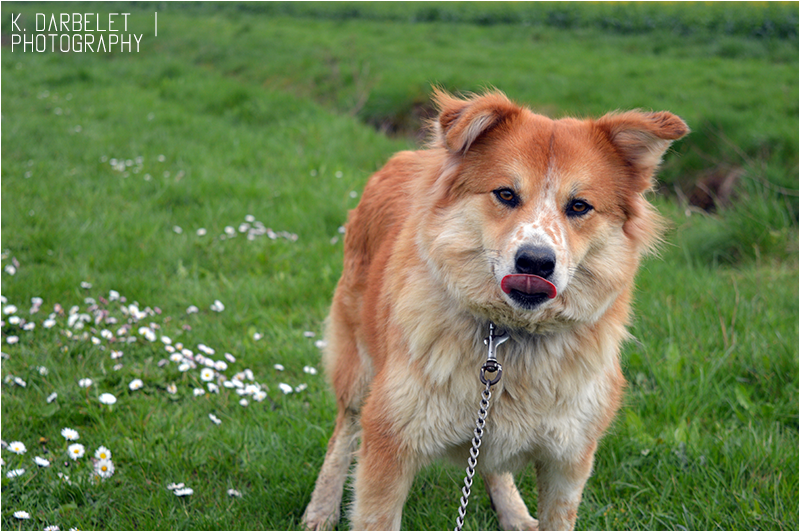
(527, 290)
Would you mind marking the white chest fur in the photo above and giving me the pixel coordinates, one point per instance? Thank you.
(548, 402)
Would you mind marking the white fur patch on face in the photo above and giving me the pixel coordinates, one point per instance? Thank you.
(543, 229)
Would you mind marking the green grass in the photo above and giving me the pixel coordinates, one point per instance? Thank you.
(268, 110)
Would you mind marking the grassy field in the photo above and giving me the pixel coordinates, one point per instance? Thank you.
(218, 164)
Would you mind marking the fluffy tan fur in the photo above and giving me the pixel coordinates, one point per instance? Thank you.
(425, 253)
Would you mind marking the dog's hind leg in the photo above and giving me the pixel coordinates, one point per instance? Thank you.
(507, 502)
(323, 511)
(349, 378)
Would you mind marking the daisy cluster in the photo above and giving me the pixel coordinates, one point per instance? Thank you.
(96, 469)
(128, 166)
(250, 228)
(110, 324)
(121, 336)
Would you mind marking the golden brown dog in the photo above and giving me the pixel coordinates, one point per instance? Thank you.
(536, 225)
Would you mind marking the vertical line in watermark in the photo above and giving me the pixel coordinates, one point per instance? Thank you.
(156, 23)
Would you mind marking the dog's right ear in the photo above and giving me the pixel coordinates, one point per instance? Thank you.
(462, 121)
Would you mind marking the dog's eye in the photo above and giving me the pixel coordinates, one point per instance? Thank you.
(578, 207)
(507, 197)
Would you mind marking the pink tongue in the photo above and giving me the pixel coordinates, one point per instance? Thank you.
(528, 284)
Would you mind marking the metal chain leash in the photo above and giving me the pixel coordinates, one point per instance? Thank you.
(491, 366)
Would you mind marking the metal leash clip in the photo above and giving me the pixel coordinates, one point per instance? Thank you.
(492, 365)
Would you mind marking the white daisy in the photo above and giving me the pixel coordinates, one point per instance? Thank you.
(213, 388)
(107, 399)
(104, 468)
(244, 402)
(217, 306)
(22, 514)
(192, 310)
(230, 358)
(220, 365)
(102, 453)
(279, 367)
(76, 450)
(309, 334)
(49, 323)
(260, 395)
(310, 370)
(41, 462)
(214, 419)
(207, 374)
(205, 349)
(234, 493)
(70, 434)
(299, 388)
(198, 392)
(85, 383)
(136, 384)
(17, 447)
(51, 528)
(174, 486)
(15, 473)
(183, 492)
(285, 388)
(11, 340)
(52, 397)
(172, 389)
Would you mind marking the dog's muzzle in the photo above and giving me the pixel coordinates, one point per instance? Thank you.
(529, 286)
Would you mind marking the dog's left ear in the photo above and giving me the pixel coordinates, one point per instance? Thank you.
(461, 122)
(641, 140)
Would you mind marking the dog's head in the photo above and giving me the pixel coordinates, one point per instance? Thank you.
(536, 222)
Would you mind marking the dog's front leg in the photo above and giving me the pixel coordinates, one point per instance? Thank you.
(384, 474)
(560, 484)
(507, 502)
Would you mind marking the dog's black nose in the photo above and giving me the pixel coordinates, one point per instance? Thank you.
(535, 260)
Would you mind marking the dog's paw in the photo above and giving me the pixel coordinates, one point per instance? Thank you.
(525, 523)
(317, 519)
